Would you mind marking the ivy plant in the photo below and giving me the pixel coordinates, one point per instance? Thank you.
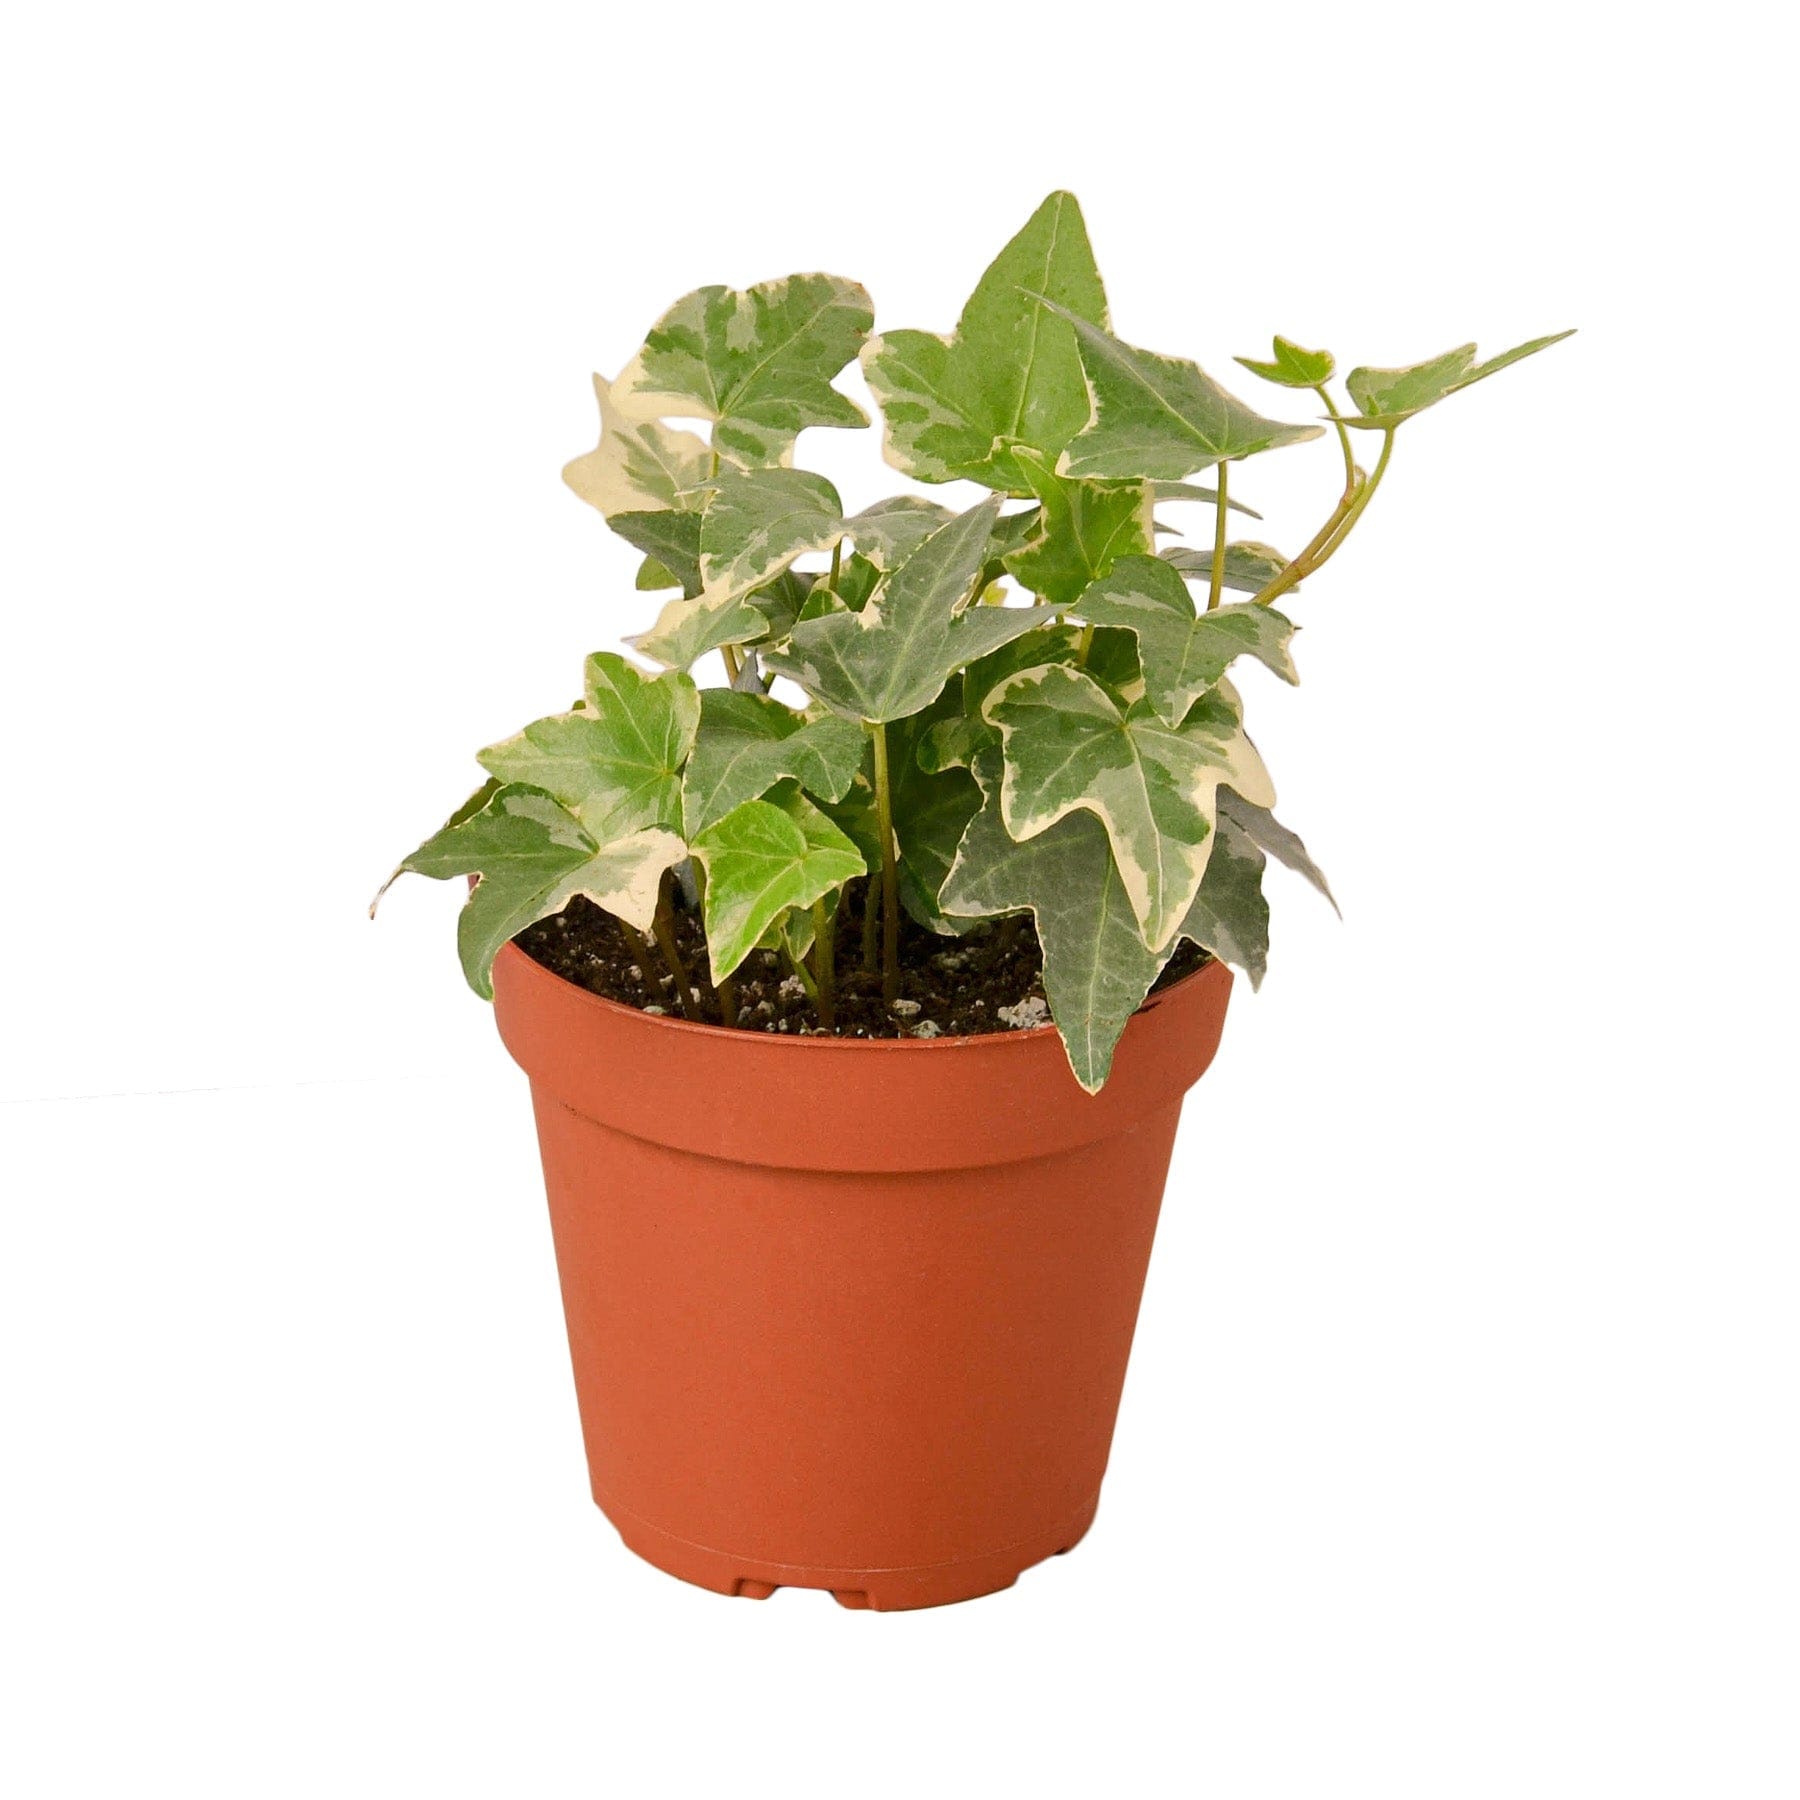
(1025, 706)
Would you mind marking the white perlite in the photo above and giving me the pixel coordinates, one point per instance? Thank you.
(905, 1009)
(1031, 1011)
(792, 988)
(927, 1029)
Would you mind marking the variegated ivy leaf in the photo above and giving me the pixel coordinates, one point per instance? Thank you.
(1097, 968)
(758, 521)
(1009, 374)
(1070, 747)
(532, 857)
(1162, 416)
(1183, 490)
(1183, 653)
(893, 657)
(1082, 526)
(669, 539)
(686, 629)
(1249, 566)
(1292, 367)
(758, 363)
(748, 742)
(653, 576)
(956, 735)
(1230, 916)
(1386, 398)
(616, 763)
(1268, 833)
(639, 465)
(888, 532)
(762, 858)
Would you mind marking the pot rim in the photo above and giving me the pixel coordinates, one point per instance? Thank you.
(822, 1039)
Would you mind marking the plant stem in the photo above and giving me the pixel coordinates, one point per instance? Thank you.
(663, 929)
(890, 877)
(871, 916)
(734, 664)
(1335, 529)
(1086, 644)
(727, 992)
(802, 974)
(837, 562)
(824, 964)
(1217, 590)
(1337, 419)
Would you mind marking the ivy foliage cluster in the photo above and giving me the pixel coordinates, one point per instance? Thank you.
(1021, 707)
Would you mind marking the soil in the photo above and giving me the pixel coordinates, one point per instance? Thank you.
(989, 979)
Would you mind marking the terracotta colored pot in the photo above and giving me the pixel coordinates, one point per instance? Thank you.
(848, 1314)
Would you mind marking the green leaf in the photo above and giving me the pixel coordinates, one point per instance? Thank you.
(532, 858)
(1182, 490)
(671, 539)
(1070, 747)
(1081, 527)
(1268, 833)
(1161, 415)
(760, 859)
(891, 530)
(639, 465)
(931, 810)
(1097, 968)
(653, 576)
(894, 656)
(1249, 566)
(616, 764)
(1230, 916)
(759, 364)
(1182, 653)
(1386, 398)
(1293, 367)
(1010, 372)
(757, 522)
(748, 742)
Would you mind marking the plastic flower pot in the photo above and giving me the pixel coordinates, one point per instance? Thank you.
(848, 1314)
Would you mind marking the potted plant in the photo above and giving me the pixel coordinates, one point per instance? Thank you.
(859, 989)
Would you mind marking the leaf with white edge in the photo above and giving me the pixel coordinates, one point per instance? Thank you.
(758, 363)
(1009, 373)
(891, 530)
(1386, 398)
(1291, 366)
(686, 629)
(670, 539)
(616, 764)
(1082, 526)
(531, 857)
(1249, 566)
(1230, 916)
(782, 601)
(1182, 490)
(1268, 833)
(893, 657)
(1070, 747)
(1097, 968)
(758, 521)
(639, 465)
(748, 742)
(1183, 653)
(1162, 416)
(760, 859)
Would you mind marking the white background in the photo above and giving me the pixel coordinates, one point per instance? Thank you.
(1459, 1454)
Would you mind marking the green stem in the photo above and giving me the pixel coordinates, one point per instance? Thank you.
(1216, 591)
(1337, 419)
(801, 973)
(837, 562)
(727, 992)
(1086, 644)
(663, 930)
(734, 664)
(890, 874)
(1338, 527)
(824, 964)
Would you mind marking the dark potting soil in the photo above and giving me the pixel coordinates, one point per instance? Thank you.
(989, 979)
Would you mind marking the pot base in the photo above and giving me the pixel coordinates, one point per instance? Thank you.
(871, 1590)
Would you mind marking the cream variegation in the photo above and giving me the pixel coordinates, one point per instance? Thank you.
(638, 465)
(1069, 746)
